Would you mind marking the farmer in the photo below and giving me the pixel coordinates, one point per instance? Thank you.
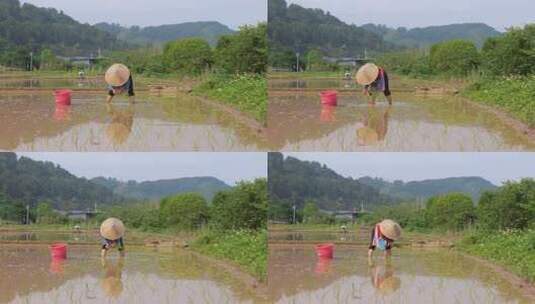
(119, 80)
(374, 78)
(383, 236)
(111, 232)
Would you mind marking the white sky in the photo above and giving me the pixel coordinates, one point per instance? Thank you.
(495, 167)
(228, 167)
(232, 13)
(499, 14)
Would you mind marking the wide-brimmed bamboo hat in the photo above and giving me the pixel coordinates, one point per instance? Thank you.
(390, 229)
(112, 229)
(367, 74)
(117, 75)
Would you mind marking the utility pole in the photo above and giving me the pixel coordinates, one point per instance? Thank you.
(31, 61)
(297, 65)
(294, 207)
(27, 214)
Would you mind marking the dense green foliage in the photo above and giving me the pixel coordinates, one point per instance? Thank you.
(243, 207)
(246, 92)
(510, 207)
(156, 190)
(424, 189)
(46, 215)
(191, 56)
(515, 95)
(209, 31)
(27, 28)
(421, 37)
(292, 181)
(453, 211)
(186, 211)
(31, 182)
(512, 53)
(293, 28)
(454, 57)
(246, 248)
(513, 249)
(11, 210)
(244, 52)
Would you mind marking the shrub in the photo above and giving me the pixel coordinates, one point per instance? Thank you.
(190, 56)
(185, 211)
(454, 57)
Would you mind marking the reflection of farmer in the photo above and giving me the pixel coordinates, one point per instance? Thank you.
(119, 80)
(111, 232)
(111, 283)
(383, 278)
(374, 78)
(383, 236)
(374, 127)
(121, 123)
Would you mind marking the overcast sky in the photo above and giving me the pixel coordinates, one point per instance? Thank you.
(228, 167)
(157, 12)
(495, 167)
(499, 14)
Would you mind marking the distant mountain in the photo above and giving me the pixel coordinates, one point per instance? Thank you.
(155, 190)
(26, 27)
(472, 186)
(296, 181)
(27, 181)
(298, 29)
(426, 36)
(210, 31)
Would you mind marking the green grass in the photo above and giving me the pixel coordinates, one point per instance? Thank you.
(516, 95)
(246, 248)
(247, 92)
(515, 250)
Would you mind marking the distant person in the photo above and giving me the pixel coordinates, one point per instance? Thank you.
(383, 236)
(112, 232)
(81, 75)
(374, 79)
(119, 80)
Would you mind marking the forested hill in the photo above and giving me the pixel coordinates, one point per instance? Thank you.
(25, 28)
(210, 31)
(26, 181)
(153, 190)
(299, 29)
(473, 186)
(294, 181)
(426, 36)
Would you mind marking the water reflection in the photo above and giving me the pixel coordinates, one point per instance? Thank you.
(374, 126)
(383, 278)
(111, 282)
(120, 126)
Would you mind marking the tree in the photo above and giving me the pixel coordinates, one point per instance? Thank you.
(453, 211)
(510, 207)
(244, 52)
(310, 212)
(243, 207)
(455, 57)
(190, 56)
(185, 211)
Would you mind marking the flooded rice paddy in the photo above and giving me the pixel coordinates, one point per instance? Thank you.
(298, 122)
(31, 121)
(296, 275)
(145, 275)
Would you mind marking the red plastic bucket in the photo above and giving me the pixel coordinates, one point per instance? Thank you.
(58, 251)
(63, 97)
(325, 250)
(329, 98)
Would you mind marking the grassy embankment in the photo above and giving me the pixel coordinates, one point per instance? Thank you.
(514, 250)
(246, 92)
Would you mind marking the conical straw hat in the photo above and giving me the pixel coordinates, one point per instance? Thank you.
(390, 229)
(367, 74)
(112, 229)
(117, 75)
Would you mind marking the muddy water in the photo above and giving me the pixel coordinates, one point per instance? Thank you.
(312, 84)
(411, 276)
(70, 237)
(32, 122)
(316, 236)
(298, 122)
(29, 275)
(42, 83)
